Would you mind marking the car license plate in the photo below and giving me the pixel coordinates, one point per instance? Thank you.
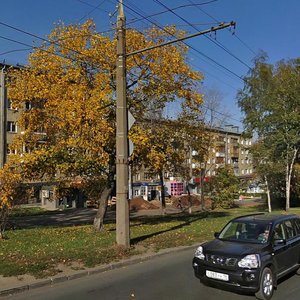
(216, 275)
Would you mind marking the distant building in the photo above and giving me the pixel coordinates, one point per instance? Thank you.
(229, 147)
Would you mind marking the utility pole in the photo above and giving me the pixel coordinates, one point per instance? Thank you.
(122, 209)
(3, 118)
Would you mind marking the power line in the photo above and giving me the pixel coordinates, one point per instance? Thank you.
(16, 50)
(215, 65)
(190, 24)
(90, 12)
(40, 38)
(33, 47)
(175, 8)
(147, 18)
(88, 4)
(196, 50)
(45, 40)
(212, 17)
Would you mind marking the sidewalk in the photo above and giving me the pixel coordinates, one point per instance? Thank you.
(13, 285)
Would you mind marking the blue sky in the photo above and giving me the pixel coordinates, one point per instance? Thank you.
(268, 25)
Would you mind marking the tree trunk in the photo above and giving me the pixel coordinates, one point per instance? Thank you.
(99, 218)
(288, 177)
(202, 178)
(189, 198)
(268, 195)
(3, 220)
(162, 187)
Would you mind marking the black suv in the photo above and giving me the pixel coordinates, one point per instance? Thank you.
(251, 253)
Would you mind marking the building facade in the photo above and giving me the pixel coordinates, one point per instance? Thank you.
(228, 148)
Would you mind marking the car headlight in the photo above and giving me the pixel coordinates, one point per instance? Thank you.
(199, 253)
(251, 261)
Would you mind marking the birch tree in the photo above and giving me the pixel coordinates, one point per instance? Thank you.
(270, 100)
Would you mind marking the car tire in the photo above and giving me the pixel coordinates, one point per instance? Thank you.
(266, 285)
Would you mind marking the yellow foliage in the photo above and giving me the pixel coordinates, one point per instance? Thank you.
(70, 84)
(10, 179)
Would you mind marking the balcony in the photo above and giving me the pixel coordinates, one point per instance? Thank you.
(220, 154)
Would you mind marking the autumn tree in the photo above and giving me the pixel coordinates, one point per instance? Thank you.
(270, 101)
(225, 187)
(12, 191)
(69, 132)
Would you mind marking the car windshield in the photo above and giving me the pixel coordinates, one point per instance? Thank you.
(246, 231)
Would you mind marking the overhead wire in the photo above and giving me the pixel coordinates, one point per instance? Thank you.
(159, 26)
(213, 18)
(88, 4)
(90, 12)
(143, 18)
(193, 48)
(165, 11)
(154, 23)
(193, 26)
(15, 50)
(40, 38)
(35, 47)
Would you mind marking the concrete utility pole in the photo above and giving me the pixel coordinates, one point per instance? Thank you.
(3, 118)
(122, 210)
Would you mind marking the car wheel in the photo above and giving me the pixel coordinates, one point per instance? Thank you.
(266, 285)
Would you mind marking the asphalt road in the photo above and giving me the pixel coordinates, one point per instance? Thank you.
(168, 277)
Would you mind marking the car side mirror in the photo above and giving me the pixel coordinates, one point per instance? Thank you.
(216, 234)
(279, 242)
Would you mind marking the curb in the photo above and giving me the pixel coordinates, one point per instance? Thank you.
(97, 270)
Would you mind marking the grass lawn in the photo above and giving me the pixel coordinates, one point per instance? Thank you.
(39, 251)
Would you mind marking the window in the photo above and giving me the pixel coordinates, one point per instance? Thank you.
(11, 151)
(27, 105)
(278, 232)
(147, 176)
(11, 126)
(297, 225)
(143, 191)
(289, 229)
(10, 105)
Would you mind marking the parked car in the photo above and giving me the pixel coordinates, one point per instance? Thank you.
(92, 204)
(250, 254)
